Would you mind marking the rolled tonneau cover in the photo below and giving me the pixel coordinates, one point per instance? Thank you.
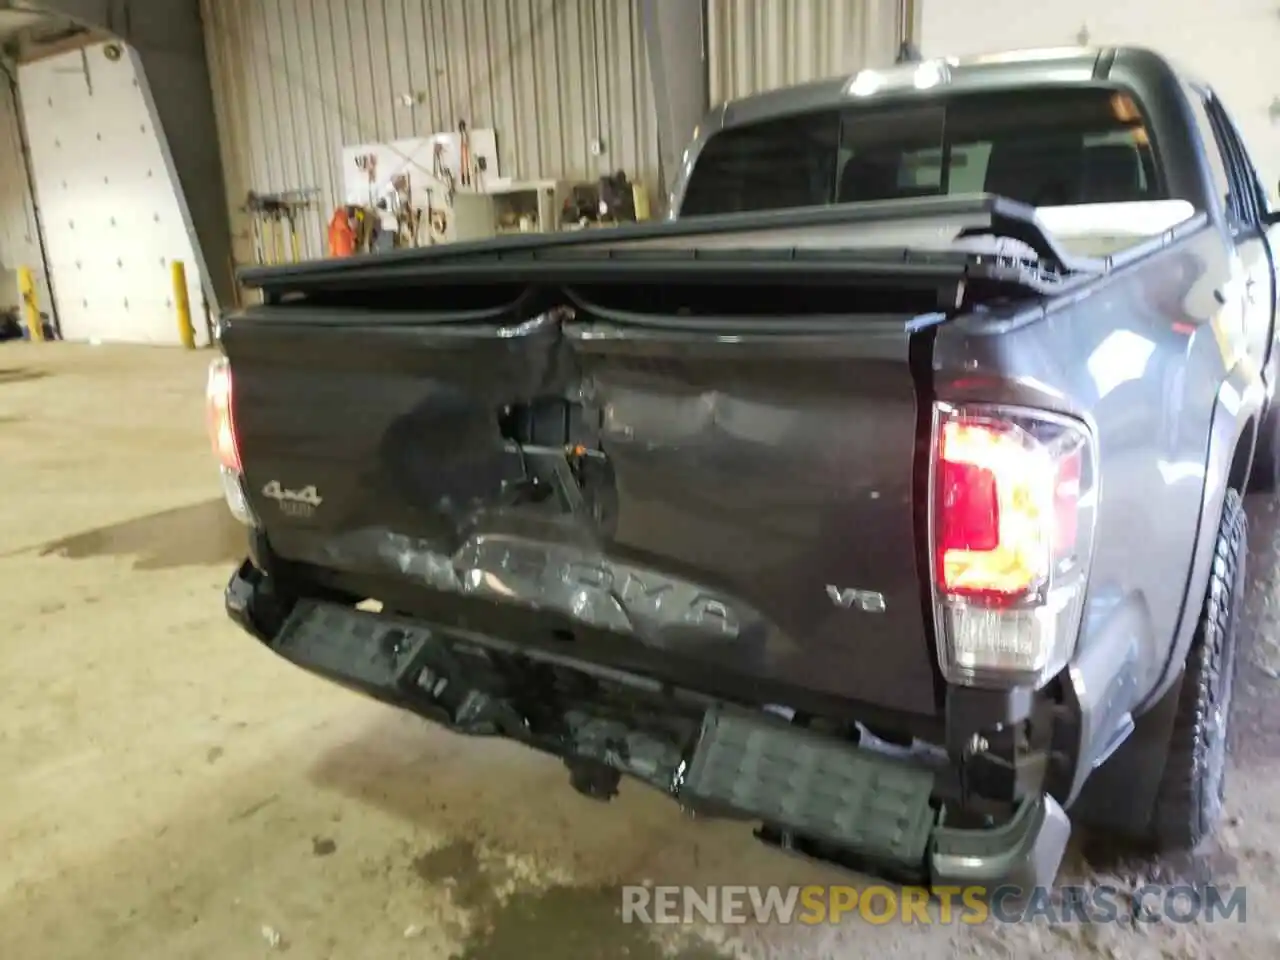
(898, 240)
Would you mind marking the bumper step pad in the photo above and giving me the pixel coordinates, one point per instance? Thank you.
(359, 649)
(744, 764)
(812, 784)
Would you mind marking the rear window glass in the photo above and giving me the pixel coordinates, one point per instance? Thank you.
(1042, 147)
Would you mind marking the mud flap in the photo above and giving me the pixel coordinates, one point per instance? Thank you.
(750, 765)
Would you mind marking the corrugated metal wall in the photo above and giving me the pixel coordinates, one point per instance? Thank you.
(295, 80)
(18, 240)
(757, 45)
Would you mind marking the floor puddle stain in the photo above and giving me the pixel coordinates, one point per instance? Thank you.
(21, 374)
(558, 923)
(568, 923)
(457, 866)
(201, 535)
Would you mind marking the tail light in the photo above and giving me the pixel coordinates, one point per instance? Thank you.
(220, 418)
(1013, 505)
(218, 412)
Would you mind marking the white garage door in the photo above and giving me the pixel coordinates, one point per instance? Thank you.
(113, 222)
(1234, 45)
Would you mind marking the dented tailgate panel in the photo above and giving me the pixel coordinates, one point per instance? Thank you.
(743, 501)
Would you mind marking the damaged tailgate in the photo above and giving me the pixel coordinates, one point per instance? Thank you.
(676, 457)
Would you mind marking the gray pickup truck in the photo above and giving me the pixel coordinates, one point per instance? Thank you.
(888, 497)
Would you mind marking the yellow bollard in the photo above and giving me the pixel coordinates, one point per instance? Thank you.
(186, 332)
(30, 306)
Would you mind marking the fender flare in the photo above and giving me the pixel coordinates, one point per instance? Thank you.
(1237, 410)
(1120, 794)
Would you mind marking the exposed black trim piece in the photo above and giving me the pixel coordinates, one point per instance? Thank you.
(973, 711)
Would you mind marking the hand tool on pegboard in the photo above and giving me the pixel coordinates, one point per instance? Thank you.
(408, 217)
(464, 154)
(367, 163)
(442, 174)
(272, 214)
(437, 225)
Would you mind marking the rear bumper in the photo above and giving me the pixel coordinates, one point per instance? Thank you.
(816, 794)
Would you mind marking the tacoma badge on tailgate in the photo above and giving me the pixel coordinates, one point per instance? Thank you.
(657, 607)
(596, 589)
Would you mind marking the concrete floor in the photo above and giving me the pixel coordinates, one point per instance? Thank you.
(172, 790)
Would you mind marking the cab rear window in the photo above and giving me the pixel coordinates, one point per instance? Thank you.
(1053, 147)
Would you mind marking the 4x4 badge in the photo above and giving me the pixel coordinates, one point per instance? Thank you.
(297, 503)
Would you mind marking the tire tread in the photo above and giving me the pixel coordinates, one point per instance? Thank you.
(1188, 801)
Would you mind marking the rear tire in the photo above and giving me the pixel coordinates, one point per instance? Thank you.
(1189, 800)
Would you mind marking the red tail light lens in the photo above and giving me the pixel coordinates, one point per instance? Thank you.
(220, 417)
(1011, 532)
(995, 509)
(969, 520)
